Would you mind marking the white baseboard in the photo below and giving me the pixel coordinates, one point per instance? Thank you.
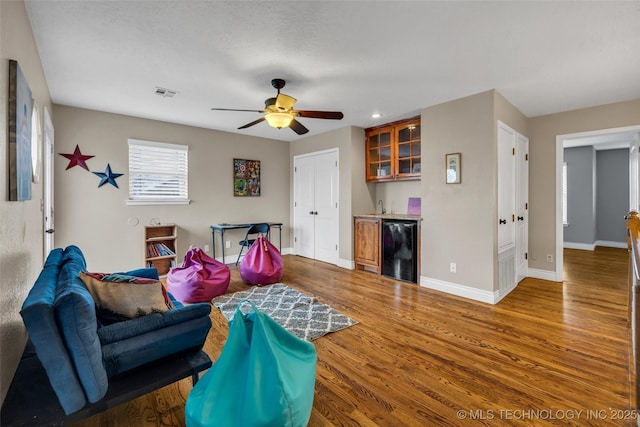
(580, 246)
(488, 297)
(231, 259)
(345, 263)
(287, 251)
(610, 244)
(542, 274)
(592, 246)
(342, 263)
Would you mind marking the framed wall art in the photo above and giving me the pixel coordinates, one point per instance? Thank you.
(453, 168)
(246, 177)
(19, 125)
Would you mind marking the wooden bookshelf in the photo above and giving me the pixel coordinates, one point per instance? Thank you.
(160, 247)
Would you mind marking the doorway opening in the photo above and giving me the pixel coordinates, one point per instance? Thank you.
(624, 137)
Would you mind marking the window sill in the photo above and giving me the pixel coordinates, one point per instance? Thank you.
(157, 202)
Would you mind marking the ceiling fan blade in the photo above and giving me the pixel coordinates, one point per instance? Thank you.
(285, 102)
(334, 115)
(231, 109)
(298, 127)
(255, 122)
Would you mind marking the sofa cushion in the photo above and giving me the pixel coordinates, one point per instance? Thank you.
(39, 318)
(125, 330)
(120, 297)
(76, 316)
(124, 355)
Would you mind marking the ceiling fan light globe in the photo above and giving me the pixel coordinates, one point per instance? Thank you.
(279, 120)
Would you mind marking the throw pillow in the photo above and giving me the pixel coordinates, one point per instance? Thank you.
(121, 297)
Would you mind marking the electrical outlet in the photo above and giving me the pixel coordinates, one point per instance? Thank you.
(549, 258)
(227, 244)
(452, 267)
(206, 248)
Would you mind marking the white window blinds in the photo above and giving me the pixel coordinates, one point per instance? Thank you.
(158, 173)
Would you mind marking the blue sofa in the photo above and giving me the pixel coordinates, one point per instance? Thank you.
(79, 354)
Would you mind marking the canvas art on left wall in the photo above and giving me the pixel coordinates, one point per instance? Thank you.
(20, 109)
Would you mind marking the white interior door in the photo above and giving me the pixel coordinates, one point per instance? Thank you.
(316, 206)
(506, 187)
(303, 206)
(522, 205)
(326, 207)
(48, 183)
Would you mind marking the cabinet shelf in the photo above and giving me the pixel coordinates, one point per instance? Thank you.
(160, 243)
(161, 238)
(161, 257)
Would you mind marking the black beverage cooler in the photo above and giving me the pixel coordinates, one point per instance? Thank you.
(399, 251)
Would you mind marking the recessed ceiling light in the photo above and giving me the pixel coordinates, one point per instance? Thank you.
(376, 115)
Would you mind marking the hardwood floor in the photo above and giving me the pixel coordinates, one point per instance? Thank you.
(547, 354)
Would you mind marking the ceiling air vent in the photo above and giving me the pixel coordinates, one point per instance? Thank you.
(165, 93)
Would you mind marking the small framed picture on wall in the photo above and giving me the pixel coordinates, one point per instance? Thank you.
(246, 177)
(453, 168)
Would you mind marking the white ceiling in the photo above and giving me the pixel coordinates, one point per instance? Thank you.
(358, 57)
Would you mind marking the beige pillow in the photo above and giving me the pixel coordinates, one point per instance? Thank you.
(120, 296)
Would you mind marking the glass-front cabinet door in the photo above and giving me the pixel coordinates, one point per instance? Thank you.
(408, 159)
(380, 154)
(393, 151)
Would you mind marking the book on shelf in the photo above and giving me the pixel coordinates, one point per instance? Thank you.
(157, 249)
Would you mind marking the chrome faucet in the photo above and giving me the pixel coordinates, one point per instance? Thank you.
(383, 211)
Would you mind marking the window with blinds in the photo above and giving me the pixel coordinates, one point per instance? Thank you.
(158, 173)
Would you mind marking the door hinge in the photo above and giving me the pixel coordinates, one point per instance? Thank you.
(526, 255)
(513, 218)
(336, 204)
(513, 151)
(526, 156)
(295, 169)
(526, 206)
(295, 239)
(336, 247)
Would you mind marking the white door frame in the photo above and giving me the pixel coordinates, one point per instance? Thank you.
(560, 140)
(48, 210)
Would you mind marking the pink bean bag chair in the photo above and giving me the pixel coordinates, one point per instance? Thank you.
(200, 279)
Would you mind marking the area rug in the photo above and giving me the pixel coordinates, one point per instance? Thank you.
(300, 314)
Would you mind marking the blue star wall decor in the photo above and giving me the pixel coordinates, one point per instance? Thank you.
(108, 176)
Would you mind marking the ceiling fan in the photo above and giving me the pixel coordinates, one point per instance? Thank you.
(279, 112)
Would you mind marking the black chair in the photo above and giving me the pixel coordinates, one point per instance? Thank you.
(254, 230)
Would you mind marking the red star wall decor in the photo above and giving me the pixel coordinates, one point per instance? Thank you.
(77, 159)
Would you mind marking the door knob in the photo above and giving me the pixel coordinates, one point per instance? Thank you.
(310, 212)
(502, 221)
(49, 231)
(520, 218)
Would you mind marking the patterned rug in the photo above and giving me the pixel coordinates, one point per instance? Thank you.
(300, 314)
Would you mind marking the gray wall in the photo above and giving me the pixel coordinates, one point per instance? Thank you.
(612, 194)
(598, 195)
(581, 195)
